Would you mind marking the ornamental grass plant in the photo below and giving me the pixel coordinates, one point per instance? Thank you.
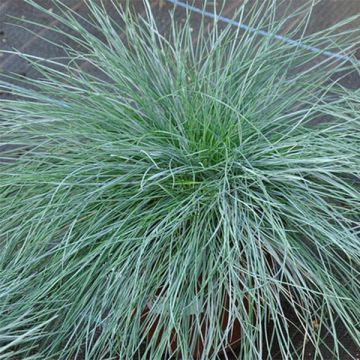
(202, 172)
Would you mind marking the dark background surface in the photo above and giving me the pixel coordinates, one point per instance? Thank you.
(14, 37)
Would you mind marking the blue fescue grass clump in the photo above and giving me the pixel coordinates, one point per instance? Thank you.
(199, 169)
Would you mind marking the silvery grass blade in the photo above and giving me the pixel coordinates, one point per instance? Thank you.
(151, 182)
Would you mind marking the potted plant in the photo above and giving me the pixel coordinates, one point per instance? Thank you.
(170, 203)
(196, 323)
